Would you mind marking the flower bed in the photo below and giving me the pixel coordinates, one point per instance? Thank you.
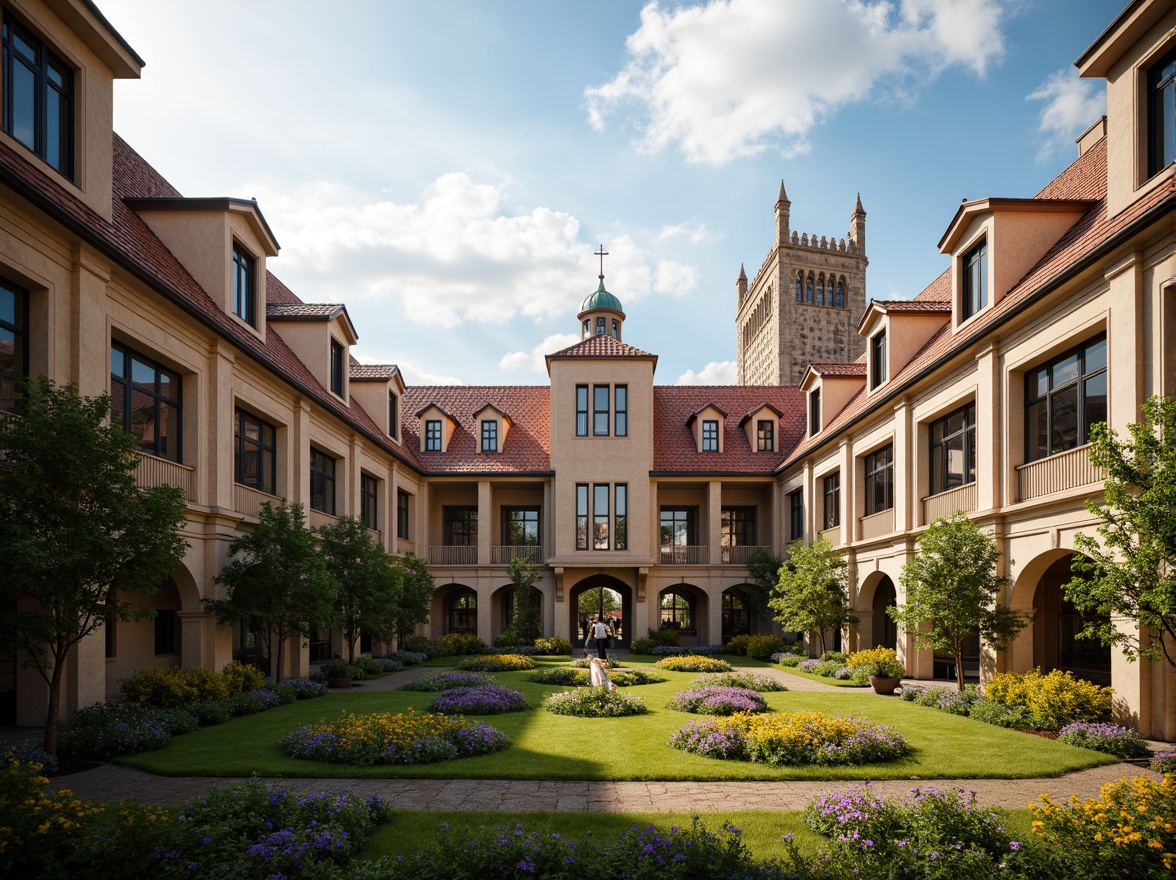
(409, 658)
(383, 738)
(1163, 762)
(738, 678)
(718, 700)
(1052, 700)
(108, 730)
(486, 699)
(792, 739)
(443, 681)
(593, 702)
(552, 646)
(1113, 739)
(582, 663)
(569, 677)
(693, 663)
(497, 663)
(686, 650)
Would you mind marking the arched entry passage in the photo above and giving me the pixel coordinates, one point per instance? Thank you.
(461, 611)
(502, 603)
(736, 614)
(607, 597)
(885, 630)
(1056, 623)
(683, 607)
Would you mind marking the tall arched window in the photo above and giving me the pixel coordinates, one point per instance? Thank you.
(841, 292)
(800, 287)
(808, 290)
(821, 289)
(462, 612)
(677, 611)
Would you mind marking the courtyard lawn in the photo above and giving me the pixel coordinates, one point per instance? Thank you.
(547, 746)
(848, 683)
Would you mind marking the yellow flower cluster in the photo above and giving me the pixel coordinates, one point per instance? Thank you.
(882, 661)
(497, 663)
(797, 730)
(1129, 825)
(28, 812)
(401, 729)
(1056, 699)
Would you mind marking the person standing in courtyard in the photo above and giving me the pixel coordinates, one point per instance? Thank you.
(600, 635)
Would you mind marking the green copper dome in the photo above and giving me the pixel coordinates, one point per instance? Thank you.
(601, 299)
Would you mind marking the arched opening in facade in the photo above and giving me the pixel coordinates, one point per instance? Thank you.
(683, 607)
(884, 630)
(1056, 624)
(502, 610)
(461, 611)
(605, 597)
(736, 614)
(153, 641)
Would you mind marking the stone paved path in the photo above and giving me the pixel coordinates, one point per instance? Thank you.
(112, 782)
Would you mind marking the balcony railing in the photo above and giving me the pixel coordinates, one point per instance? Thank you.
(502, 554)
(249, 501)
(946, 503)
(739, 554)
(155, 471)
(317, 519)
(685, 554)
(1066, 470)
(447, 555)
(832, 535)
(877, 524)
(377, 536)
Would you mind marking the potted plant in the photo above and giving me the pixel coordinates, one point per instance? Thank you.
(881, 666)
(338, 674)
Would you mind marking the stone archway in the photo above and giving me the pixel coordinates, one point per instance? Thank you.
(140, 644)
(737, 616)
(606, 596)
(1056, 623)
(876, 628)
(684, 607)
(502, 609)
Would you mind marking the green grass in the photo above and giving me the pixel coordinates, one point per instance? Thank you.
(546, 746)
(833, 682)
(413, 831)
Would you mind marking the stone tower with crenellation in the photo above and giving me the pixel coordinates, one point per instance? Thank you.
(804, 304)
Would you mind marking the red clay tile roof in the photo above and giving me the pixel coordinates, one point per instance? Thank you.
(857, 369)
(601, 346)
(279, 310)
(938, 290)
(526, 448)
(914, 305)
(370, 372)
(675, 450)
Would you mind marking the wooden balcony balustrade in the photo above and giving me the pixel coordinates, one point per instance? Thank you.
(1066, 470)
(944, 504)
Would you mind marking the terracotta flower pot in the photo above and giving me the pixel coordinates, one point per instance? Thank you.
(884, 686)
(339, 682)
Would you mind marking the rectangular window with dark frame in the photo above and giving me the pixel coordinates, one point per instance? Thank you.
(831, 489)
(165, 632)
(1161, 114)
(975, 281)
(38, 97)
(520, 528)
(489, 435)
(953, 450)
(765, 435)
(796, 515)
(145, 401)
(737, 529)
(14, 342)
(878, 362)
(460, 526)
(678, 533)
(710, 435)
(244, 285)
(322, 482)
(814, 411)
(369, 501)
(581, 516)
(621, 410)
(402, 510)
(621, 516)
(600, 535)
(1065, 398)
(337, 365)
(393, 416)
(600, 395)
(432, 435)
(880, 480)
(581, 410)
(255, 448)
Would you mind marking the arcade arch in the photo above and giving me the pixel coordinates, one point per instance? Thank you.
(607, 597)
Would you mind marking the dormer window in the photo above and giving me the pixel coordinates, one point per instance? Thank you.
(432, 435)
(765, 435)
(336, 367)
(878, 359)
(814, 411)
(489, 435)
(244, 285)
(38, 97)
(710, 435)
(975, 280)
(1161, 99)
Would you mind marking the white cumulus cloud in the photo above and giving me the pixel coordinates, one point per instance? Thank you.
(732, 78)
(455, 254)
(714, 373)
(534, 360)
(1071, 106)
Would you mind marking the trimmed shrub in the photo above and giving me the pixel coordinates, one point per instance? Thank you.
(552, 646)
(829, 668)
(1054, 699)
(741, 679)
(460, 644)
(565, 676)
(788, 659)
(369, 666)
(836, 656)
(691, 663)
(305, 689)
(169, 687)
(642, 646)
(1113, 739)
(583, 663)
(497, 663)
(284, 693)
(593, 702)
(1000, 715)
(443, 681)
(760, 647)
(210, 713)
(409, 658)
(421, 645)
(486, 699)
(508, 637)
(388, 664)
(241, 677)
(108, 730)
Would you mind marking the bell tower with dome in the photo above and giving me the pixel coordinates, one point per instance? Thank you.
(601, 313)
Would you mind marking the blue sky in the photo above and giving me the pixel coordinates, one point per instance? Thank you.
(446, 168)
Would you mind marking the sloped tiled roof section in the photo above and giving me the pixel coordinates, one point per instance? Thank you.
(302, 310)
(601, 346)
(915, 305)
(371, 372)
(856, 369)
(674, 447)
(527, 446)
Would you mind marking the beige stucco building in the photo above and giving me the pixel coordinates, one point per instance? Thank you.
(635, 499)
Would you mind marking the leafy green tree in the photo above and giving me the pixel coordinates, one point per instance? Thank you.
(763, 569)
(415, 594)
(79, 539)
(276, 583)
(812, 591)
(524, 618)
(1129, 572)
(953, 591)
(369, 585)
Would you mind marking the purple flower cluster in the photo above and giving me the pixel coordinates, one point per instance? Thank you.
(682, 651)
(443, 681)
(409, 658)
(27, 753)
(832, 810)
(107, 730)
(809, 665)
(718, 700)
(1113, 739)
(486, 699)
(305, 688)
(711, 740)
